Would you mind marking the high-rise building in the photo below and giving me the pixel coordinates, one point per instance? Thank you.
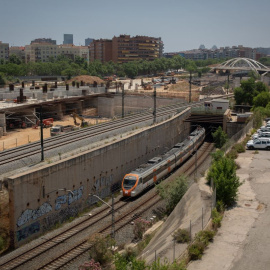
(68, 39)
(88, 41)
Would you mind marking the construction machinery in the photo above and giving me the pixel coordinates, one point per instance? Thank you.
(83, 122)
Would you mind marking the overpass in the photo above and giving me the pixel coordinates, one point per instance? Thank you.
(243, 64)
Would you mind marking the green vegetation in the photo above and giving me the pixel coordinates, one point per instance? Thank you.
(172, 192)
(216, 219)
(220, 137)
(181, 236)
(100, 250)
(64, 66)
(223, 174)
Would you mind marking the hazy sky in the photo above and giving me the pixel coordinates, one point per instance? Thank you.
(182, 25)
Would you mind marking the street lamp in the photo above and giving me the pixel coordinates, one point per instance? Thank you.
(112, 210)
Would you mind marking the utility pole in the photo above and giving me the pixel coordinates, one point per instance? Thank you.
(190, 78)
(113, 226)
(155, 105)
(123, 108)
(228, 83)
(41, 134)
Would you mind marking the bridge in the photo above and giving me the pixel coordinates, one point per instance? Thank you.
(244, 64)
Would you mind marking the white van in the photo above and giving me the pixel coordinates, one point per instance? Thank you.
(261, 143)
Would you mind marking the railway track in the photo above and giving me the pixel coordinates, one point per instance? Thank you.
(18, 153)
(29, 150)
(79, 248)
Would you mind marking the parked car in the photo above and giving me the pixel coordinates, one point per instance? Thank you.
(261, 135)
(261, 143)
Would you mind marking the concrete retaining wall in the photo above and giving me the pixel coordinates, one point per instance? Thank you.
(111, 106)
(36, 201)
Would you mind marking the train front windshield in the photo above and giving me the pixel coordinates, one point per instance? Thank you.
(129, 182)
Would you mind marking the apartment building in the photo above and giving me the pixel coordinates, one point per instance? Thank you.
(4, 50)
(126, 48)
(43, 52)
(101, 49)
(18, 51)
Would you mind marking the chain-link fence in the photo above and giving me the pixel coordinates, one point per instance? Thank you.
(236, 137)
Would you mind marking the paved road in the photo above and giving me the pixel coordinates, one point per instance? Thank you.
(243, 241)
(256, 250)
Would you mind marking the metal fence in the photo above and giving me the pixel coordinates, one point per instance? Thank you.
(236, 137)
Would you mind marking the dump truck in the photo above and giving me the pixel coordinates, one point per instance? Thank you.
(59, 129)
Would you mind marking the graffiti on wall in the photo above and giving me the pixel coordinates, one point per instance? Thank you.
(102, 188)
(30, 214)
(28, 231)
(68, 198)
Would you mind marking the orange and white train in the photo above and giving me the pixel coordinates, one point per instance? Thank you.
(158, 167)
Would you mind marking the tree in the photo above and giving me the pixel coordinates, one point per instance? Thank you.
(223, 173)
(220, 137)
(173, 192)
(14, 59)
(261, 100)
(2, 79)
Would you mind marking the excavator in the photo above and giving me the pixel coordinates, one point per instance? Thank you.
(83, 122)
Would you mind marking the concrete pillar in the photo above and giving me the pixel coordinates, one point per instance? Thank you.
(3, 122)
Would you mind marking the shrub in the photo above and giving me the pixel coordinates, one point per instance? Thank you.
(140, 227)
(205, 236)
(232, 154)
(216, 219)
(122, 263)
(181, 236)
(101, 249)
(196, 250)
(91, 265)
(220, 137)
(158, 265)
(173, 192)
(223, 173)
(239, 148)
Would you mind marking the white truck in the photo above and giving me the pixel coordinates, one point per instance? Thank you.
(259, 143)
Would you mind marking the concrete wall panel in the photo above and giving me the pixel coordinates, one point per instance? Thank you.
(37, 201)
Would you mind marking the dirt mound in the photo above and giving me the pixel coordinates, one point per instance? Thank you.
(86, 79)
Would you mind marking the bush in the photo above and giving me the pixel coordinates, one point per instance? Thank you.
(140, 227)
(205, 237)
(239, 148)
(91, 265)
(216, 219)
(157, 265)
(232, 154)
(220, 137)
(181, 236)
(173, 192)
(196, 250)
(101, 249)
(123, 263)
(223, 173)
